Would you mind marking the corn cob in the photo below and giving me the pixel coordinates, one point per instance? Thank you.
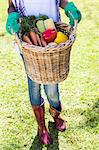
(49, 24)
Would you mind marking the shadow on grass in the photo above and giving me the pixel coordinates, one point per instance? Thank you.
(36, 144)
(54, 134)
(92, 115)
(2, 34)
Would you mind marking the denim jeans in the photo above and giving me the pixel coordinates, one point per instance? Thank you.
(51, 91)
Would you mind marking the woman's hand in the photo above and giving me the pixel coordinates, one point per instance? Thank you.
(12, 24)
(72, 13)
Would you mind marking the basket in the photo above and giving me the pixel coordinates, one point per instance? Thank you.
(48, 65)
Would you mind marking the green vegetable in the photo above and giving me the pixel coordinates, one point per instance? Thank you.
(40, 26)
(27, 24)
(42, 17)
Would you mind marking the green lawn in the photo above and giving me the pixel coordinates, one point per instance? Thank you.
(79, 93)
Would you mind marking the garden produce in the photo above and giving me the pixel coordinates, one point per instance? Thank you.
(49, 35)
(43, 42)
(26, 39)
(42, 31)
(40, 26)
(42, 17)
(33, 37)
(30, 20)
(49, 24)
(39, 40)
(61, 37)
(52, 45)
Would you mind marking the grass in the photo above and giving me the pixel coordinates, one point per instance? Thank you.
(79, 93)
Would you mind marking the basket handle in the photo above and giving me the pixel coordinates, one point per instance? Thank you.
(17, 40)
(75, 26)
(75, 22)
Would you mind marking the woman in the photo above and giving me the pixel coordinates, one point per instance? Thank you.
(50, 8)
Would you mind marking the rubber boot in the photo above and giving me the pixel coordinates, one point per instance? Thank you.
(59, 122)
(43, 134)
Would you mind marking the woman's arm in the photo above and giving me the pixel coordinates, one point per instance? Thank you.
(10, 2)
(12, 20)
(63, 3)
(11, 7)
(71, 11)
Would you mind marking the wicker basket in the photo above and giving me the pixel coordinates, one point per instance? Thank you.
(48, 65)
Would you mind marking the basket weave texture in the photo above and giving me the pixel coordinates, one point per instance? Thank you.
(48, 65)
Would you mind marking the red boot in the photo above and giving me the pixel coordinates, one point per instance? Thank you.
(59, 122)
(43, 134)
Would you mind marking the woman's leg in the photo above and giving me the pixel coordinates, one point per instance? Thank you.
(34, 92)
(34, 89)
(37, 104)
(52, 93)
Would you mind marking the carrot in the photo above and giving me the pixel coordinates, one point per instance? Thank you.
(26, 39)
(38, 39)
(33, 37)
(43, 42)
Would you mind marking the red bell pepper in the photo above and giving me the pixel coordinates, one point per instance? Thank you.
(49, 35)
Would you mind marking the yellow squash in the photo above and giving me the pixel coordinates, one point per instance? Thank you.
(61, 37)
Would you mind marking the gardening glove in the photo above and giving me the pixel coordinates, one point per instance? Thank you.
(12, 24)
(72, 13)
